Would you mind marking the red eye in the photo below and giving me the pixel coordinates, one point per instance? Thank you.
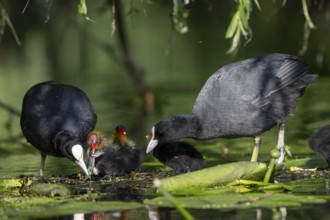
(149, 136)
(120, 130)
(123, 131)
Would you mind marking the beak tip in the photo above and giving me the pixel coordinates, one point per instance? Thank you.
(152, 144)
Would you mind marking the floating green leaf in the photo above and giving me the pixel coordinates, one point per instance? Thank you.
(306, 163)
(67, 208)
(237, 201)
(215, 176)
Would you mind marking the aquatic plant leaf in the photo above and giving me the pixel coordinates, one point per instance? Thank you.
(50, 190)
(305, 163)
(68, 208)
(309, 186)
(238, 201)
(215, 176)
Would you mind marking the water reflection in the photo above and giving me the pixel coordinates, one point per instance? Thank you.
(116, 192)
(278, 213)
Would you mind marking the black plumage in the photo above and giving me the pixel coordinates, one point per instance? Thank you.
(56, 119)
(320, 142)
(243, 99)
(180, 156)
(118, 157)
(118, 161)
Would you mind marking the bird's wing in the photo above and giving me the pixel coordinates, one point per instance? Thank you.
(291, 69)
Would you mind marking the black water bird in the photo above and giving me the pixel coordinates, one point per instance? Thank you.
(56, 119)
(182, 157)
(242, 99)
(320, 142)
(115, 158)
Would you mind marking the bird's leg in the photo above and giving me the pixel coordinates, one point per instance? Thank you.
(280, 144)
(257, 143)
(43, 159)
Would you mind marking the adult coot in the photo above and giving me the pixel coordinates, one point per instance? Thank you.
(320, 142)
(115, 158)
(243, 99)
(182, 157)
(56, 119)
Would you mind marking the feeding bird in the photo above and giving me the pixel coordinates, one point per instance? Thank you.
(56, 119)
(115, 158)
(242, 99)
(182, 157)
(320, 142)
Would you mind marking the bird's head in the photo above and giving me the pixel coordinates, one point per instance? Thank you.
(173, 128)
(120, 134)
(95, 141)
(69, 146)
(153, 142)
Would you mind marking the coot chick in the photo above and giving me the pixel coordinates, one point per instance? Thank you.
(180, 156)
(320, 142)
(96, 142)
(119, 157)
(56, 119)
(243, 99)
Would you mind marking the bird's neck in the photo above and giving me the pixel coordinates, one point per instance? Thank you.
(119, 138)
(63, 143)
(181, 126)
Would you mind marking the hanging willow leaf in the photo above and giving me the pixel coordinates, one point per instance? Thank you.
(307, 31)
(306, 14)
(257, 4)
(235, 41)
(239, 24)
(232, 26)
(82, 7)
(246, 5)
(243, 18)
(245, 32)
(180, 16)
